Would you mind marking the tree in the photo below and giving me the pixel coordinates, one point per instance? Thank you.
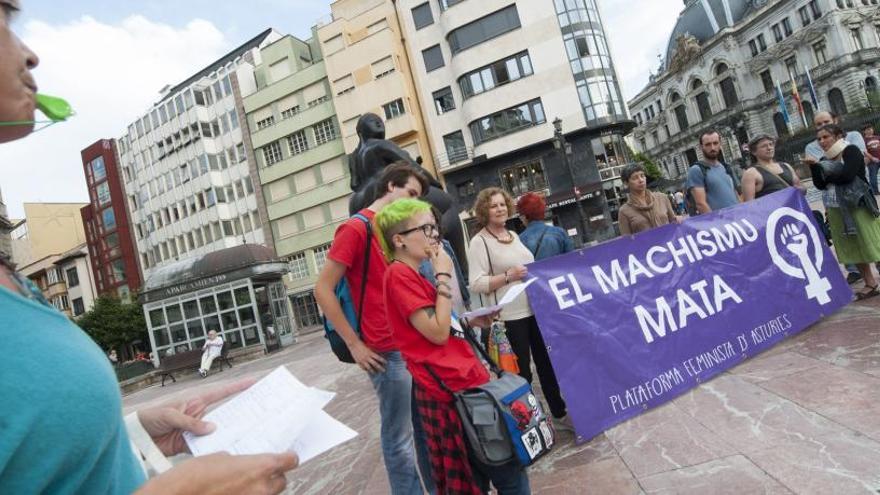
(652, 171)
(114, 324)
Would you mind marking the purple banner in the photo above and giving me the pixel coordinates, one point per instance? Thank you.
(635, 322)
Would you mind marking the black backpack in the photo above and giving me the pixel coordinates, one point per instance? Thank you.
(689, 203)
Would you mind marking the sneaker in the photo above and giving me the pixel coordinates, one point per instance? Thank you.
(853, 277)
(563, 424)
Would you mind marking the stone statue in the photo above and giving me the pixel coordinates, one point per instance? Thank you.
(687, 49)
(372, 155)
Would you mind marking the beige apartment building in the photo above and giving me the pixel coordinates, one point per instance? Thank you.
(368, 70)
(48, 229)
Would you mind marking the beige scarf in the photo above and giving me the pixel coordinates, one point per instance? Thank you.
(836, 149)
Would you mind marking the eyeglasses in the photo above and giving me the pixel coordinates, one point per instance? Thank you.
(429, 229)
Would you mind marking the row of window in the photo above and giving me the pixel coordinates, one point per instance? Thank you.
(201, 200)
(180, 104)
(179, 245)
(299, 267)
(472, 34)
(324, 132)
(177, 176)
(493, 126)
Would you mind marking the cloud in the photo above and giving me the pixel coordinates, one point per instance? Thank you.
(111, 74)
(637, 35)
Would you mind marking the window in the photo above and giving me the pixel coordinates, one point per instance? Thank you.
(767, 80)
(321, 256)
(394, 109)
(78, 306)
(456, 150)
(72, 277)
(819, 52)
(786, 27)
(443, 100)
(791, 66)
(856, 34)
(344, 85)
(103, 193)
(109, 219)
(523, 178)
(483, 29)
(272, 153)
(297, 143)
(118, 270)
(507, 121)
(496, 74)
(777, 32)
(433, 58)
(98, 170)
(445, 4)
(382, 68)
(762, 45)
(264, 123)
(753, 47)
(299, 269)
(290, 112)
(703, 105)
(804, 14)
(325, 131)
(422, 15)
(814, 9)
(466, 189)
(681, 117)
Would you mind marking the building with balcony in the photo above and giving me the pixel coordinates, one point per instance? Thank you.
(301, 162)
(65, 280)
(111, 246)
(725, 58)
(493, 77)
(188, 166)
(6, 226)
(368, 72)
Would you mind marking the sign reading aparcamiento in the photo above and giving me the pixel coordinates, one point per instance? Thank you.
(633, 323)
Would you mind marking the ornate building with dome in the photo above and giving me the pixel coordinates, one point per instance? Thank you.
(723, 62)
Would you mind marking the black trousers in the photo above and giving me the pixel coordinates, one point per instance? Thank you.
(526, 340)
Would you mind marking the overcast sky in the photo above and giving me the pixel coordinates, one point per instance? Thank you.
(110, 58)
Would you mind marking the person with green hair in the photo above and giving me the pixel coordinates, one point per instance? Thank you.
(435, 347)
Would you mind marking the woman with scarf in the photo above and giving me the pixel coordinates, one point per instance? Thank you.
(851, 208)
(644, 210)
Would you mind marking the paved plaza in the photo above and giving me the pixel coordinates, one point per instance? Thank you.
(804, 417)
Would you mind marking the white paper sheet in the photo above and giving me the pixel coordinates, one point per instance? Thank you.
(276, 414)
(508, 298)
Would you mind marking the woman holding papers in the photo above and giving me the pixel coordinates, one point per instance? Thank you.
(62, 430)
(434, 347)
(496, 262)
(851, 207)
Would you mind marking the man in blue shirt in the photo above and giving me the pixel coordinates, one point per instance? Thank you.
(710, 182)
(544, 241)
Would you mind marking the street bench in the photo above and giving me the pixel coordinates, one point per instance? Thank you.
(187, 360)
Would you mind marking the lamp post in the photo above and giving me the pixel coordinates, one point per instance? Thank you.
(564, 148)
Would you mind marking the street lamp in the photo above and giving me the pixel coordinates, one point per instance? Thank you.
(564, 149)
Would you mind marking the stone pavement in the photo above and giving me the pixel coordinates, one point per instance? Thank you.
(804, 417)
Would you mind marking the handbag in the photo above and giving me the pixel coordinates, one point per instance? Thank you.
(497, 343)
(503, 421)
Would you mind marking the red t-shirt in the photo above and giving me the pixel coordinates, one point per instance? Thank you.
(348, 248)
(873, 145)
(454, 362)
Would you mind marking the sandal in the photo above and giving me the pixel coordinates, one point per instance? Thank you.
(861, 296)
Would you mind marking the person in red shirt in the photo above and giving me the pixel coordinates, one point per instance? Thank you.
(374, 350)
(421, 319)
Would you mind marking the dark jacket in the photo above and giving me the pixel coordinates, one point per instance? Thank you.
(848, 176)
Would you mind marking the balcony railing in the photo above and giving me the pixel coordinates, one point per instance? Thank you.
(449, 161)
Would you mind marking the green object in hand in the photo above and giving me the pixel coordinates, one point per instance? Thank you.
(56, 109)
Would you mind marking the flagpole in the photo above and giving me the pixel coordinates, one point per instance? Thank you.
(813, 95)
(782, 108)
(797, 99)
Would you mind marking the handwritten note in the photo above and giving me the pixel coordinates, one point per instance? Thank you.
(277, 414)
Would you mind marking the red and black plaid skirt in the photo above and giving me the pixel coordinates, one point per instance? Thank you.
(446, 446)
